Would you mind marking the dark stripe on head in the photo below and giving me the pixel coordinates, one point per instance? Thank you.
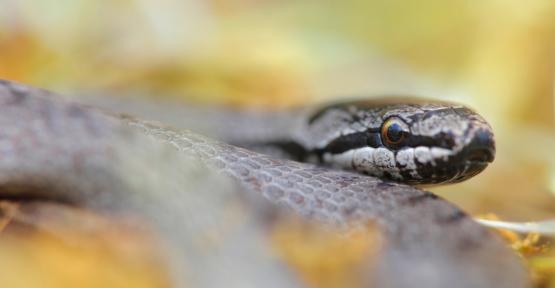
(352, 141)
(441, 140)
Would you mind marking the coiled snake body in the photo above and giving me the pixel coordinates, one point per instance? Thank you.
(53, 149)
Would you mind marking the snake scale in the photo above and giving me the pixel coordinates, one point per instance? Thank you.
(51, 148)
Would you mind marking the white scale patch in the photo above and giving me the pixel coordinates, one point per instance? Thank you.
(343, 160)
(363, 158)
(405, 158)
(440, 153)
(368, 159)
(425, 155)
(422, 154)
(384, 158)
(375, 161)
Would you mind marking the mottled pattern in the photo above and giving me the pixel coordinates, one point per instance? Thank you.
(83, 155)
(440, 145)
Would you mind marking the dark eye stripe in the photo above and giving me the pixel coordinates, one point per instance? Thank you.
(373, 139)
(352, 141)
(441, 141)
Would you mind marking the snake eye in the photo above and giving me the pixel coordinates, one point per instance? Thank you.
(394, 132)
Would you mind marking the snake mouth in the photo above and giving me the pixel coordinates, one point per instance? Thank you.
(479, 155)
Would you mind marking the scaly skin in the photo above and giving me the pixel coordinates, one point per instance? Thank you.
(54, 149)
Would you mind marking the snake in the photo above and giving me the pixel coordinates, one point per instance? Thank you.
(343, 165)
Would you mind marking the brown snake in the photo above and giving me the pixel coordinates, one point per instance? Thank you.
(53, 149)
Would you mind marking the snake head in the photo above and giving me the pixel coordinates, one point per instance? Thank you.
(445, 143)
(410, 141)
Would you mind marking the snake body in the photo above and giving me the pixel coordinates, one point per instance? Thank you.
(54, 149)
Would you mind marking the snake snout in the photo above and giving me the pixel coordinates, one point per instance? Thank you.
(481, 148)
(475, 157)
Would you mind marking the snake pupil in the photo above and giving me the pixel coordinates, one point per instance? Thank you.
(395, 133)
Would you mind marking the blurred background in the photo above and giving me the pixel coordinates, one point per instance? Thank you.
(497, 56)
